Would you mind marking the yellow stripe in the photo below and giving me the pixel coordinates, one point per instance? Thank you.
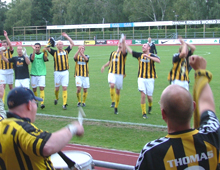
(189, 149)
(183, 135)
(169, 156)
(212, 155)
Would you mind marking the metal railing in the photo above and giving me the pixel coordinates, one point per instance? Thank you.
(169, 35)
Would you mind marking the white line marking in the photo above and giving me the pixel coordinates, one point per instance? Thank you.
(107, 121)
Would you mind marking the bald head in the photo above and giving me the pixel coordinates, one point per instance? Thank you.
(177, 104)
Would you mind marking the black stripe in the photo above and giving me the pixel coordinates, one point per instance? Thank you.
(179, 152)
(18, 156)
(120, 62)
(151, 68)
(6, 129)
(28, 161)
(80, 71)
(0, 148)
(175, 72)
(2, 164)
(34, 146)
(201, 148)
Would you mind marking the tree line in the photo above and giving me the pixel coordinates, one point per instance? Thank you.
(65, 12)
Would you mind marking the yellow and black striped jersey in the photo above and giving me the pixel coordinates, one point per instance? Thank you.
(81, 66)
(180, 67)
(146, 67)
(8, 54)
(185, 150)
(61, 62)
(21, 145)
(117, 63)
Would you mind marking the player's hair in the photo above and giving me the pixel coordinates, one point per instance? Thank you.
(59, 41)
(81, 46)
(5, 41)
(37, 44)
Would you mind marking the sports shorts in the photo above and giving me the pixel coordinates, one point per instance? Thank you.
(146, 86)
(22, 83)
(183, 84)
(116, 79)
(61, 78)
(37, 81)
(7, 76)
(82, 81)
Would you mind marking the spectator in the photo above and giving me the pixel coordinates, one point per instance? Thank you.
(152, 46)
(23, 145)
(184, 147)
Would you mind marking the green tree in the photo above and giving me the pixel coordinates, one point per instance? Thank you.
(59, 11)
(18, 15)
(145, 10)
(41, 11)
(3, 10)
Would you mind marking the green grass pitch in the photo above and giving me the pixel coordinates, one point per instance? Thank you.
(98, 101)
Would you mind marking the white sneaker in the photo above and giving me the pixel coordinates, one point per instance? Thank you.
(2, 48)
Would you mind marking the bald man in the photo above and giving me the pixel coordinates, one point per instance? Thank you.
(184, 147)
(61, 68)
(152, 46)
(116, 73)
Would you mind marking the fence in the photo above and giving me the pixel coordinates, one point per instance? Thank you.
(92, 36)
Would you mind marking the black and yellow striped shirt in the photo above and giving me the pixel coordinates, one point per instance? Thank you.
(81, 66)
(4, 66)
(61, 62)
(21, 145)
(117, 63)
(146, 67)
(192, 149)
(180, 67)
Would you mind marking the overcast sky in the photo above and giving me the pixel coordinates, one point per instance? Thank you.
(7, 1)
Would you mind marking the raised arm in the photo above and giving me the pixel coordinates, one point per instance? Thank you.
(3, 57)
(126, 46)
(60, 138)
(8, 40)
(27, 60)
(69, 39)
(123, 46)
(26, 57)
(192, 47)
(205, 98)
(183, 52)
(155, 49)
(33, 54)
(82, 54)
(155, 59)
(76, 54)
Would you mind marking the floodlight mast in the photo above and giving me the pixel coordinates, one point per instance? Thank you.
(46, 26)
(176, 23)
